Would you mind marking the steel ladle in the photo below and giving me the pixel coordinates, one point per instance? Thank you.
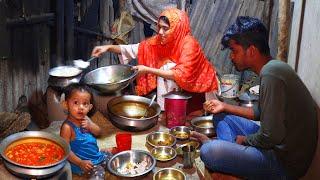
(146, 111)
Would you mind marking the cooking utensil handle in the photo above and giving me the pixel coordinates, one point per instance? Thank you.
(92, 58)
(153, 98)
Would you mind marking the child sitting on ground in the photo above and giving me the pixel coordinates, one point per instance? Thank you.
(80, 132)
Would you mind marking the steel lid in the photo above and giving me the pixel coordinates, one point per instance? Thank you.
(176, 95)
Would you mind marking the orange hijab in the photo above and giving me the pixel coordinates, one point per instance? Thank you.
(193, 72)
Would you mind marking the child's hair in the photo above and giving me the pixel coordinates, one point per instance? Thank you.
(73, 87)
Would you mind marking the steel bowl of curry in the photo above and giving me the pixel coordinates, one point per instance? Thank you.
(34, 150)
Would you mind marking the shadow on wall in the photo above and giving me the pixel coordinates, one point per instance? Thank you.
(313, 172)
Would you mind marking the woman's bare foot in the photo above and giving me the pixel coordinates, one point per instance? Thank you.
(201, 137)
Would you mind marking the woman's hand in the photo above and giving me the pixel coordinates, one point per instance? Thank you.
(141, 69)
(99, 50)
(86, 165)
(214, 106)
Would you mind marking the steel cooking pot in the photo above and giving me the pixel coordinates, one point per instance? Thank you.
(128, 112)
(28, 171)
(175, 108)
(62, 76)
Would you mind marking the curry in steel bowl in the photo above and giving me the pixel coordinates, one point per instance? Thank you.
(34, 149)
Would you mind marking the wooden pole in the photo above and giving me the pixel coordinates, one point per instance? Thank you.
(283, 32)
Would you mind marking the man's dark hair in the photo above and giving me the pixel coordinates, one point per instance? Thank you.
(165, 19)
(247, 31)
(77, 87)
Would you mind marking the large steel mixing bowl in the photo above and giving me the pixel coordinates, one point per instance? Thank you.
(124, 163)
(126, 112)
(110, 79)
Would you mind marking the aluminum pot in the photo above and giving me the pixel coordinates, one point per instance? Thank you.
(27, 171)
(62, 76)
(126, 112)
(204, 125)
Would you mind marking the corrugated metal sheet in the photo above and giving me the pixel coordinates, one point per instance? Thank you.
(209, 19)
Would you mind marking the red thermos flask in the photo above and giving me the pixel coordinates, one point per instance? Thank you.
(175, 108)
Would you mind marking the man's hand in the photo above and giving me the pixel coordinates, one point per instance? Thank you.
(240, 140)
(214, 106)
(86, 165)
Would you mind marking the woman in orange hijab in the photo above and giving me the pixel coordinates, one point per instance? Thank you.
(173, 44)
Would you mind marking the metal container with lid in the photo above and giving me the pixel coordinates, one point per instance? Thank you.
(248, 100)
(175, 107)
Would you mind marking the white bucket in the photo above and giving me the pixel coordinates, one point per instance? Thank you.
(230, 85)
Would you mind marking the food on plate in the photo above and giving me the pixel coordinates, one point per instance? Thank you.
(34, 152)
(133, 168)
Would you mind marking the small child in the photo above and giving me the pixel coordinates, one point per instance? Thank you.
(80, 132)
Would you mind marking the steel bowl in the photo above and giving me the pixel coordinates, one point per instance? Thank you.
(110, 79)
(181, 132)
(204, 125)
(161, 139)
(164, 153)
(169, 173)
(126, 159)
(28, 170)
(126, 112)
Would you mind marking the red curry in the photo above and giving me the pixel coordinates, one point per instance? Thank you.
(35, 153)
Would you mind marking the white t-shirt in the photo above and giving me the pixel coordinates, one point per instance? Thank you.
(164, 86)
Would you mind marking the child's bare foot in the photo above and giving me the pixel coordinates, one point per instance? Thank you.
(201, 137)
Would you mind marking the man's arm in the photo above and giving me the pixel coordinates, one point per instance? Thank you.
(273, 104)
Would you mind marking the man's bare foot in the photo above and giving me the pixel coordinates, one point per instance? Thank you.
(201, 137)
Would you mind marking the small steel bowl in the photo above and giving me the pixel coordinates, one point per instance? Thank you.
(204, 125)
(161, 139)
(127, 158)
(169, 173)
(164, 153)
(181, 132)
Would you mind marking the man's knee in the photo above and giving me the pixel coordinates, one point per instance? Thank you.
(209, 152)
